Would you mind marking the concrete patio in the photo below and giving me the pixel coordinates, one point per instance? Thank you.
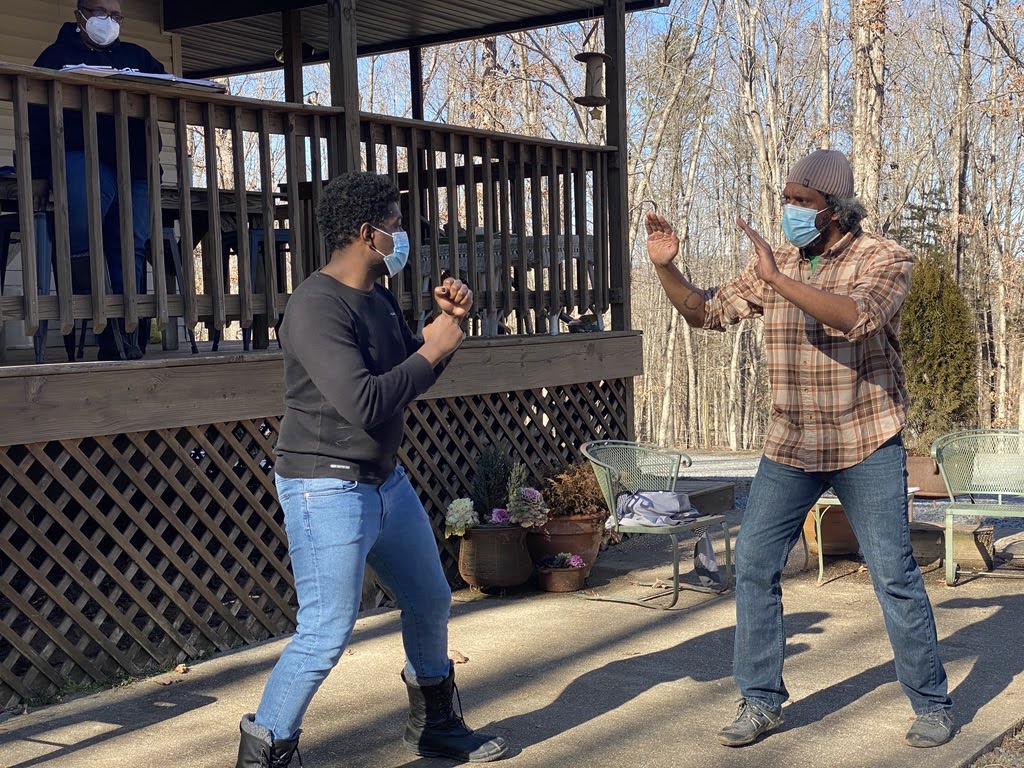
(574, 682)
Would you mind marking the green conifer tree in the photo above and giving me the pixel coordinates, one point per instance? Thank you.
(938, 339)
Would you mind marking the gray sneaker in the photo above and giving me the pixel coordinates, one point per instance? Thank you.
(931, 729)
(752, 720)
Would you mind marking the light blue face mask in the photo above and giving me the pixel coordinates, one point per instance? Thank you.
(395, 261)
(798, 225)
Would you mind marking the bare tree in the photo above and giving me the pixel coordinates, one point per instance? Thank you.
(869, 28)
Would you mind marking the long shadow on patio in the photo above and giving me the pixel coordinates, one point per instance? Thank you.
(705, 658)
(989, 677)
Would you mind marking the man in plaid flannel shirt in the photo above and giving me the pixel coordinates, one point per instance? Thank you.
(830, 300)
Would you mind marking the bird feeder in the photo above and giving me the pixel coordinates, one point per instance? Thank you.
(594, 84)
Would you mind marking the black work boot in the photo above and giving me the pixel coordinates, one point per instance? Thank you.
(435, 729)
(258, 749)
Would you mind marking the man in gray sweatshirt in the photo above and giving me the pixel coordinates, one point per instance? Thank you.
(351, 366)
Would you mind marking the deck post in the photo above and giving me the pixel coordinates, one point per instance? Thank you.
(618, 197)
(416, 82)
(618, 132)
(341, 15)
(291, 44)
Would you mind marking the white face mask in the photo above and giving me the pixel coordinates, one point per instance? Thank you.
(103, 32)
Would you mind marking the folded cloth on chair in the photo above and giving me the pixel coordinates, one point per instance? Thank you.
(664, 509)
(654, 508)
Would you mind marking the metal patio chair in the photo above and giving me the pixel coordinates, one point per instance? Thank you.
(625, 467)
(987, 467)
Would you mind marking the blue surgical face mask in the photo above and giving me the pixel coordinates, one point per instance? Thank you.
(798, 225)
(395, 261)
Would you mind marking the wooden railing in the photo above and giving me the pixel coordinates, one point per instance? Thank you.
(532, 215)
(527, 218)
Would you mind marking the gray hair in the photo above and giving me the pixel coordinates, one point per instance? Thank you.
(850, 210)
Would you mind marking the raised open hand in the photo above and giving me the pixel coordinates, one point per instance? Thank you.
(662, 242)
(766, 268)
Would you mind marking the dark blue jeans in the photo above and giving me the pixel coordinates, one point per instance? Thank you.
(874, 496)
(78, 223)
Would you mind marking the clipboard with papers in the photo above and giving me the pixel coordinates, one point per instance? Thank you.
(167, 79)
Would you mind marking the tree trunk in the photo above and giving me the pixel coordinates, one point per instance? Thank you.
(640, 182)
(757, 111)
(488, 84)
(1020, 392)
(692, 401)
(963, 104)
(1002, 362)
(734, 403)
(668, 390)
(869, 28)
(825, 75)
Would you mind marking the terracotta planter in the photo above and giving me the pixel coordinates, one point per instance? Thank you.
(836, 533)
(495, 556)
(923, 472)
(560, 579)
(577, 535)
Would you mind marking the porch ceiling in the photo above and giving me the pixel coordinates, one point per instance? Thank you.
(235, 36)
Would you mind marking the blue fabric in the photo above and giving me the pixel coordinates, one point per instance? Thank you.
(334, 527)
(78, 223)
(873, 494)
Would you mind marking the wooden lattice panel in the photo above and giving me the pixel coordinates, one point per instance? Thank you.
(542, 428)
(124, 554)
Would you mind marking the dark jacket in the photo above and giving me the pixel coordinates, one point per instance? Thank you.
(69, 49)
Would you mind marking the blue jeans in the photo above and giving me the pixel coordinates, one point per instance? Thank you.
(874, 496)
(334, 527)
(78, 223)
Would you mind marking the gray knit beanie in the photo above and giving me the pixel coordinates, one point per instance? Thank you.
(826, 170)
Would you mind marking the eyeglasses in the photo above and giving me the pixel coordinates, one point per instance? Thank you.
(98, 14)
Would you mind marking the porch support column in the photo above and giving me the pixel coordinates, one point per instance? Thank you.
(291, 43)
(416, 82)
(341, 16)
(618, 198)
(618, 132)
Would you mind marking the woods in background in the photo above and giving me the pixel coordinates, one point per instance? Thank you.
(925, 98)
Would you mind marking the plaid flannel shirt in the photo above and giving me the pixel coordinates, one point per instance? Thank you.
(836, 397)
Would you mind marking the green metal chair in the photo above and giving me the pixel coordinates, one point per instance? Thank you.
(987, 467)
(624, 467)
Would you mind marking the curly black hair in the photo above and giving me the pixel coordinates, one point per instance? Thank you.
(849, 209)
(350, 201)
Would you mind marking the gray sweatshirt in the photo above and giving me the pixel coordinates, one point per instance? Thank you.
(350, 369)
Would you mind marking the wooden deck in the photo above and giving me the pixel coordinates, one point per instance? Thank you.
(154, 479)
(539, 216)
(70, 400)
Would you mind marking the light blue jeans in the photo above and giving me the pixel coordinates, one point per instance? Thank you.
(334, 528)
(874, 495)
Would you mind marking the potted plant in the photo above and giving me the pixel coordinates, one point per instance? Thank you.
(939, 348)
(576, 516)
(563, 572)
(493, 524)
